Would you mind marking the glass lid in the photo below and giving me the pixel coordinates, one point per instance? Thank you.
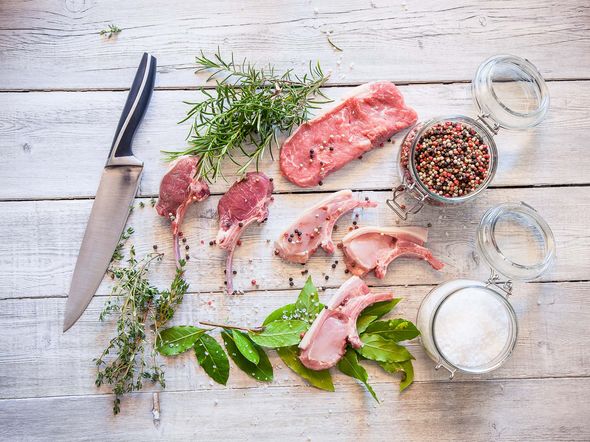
(511, 92)
(516, 241)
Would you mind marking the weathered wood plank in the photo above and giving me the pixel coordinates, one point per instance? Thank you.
(55, 44)
(37, 360)
(41, 241)
(551, 409)
(57, 143)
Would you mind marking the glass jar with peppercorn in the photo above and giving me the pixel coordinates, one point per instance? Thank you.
(452, 159)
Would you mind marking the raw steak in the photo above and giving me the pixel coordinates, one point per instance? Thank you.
(178, 189)
(325, 342)
(246, 201)
(360, 123)
(374, 248)
(313, 228)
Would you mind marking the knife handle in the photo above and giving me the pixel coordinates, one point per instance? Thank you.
(135, 106)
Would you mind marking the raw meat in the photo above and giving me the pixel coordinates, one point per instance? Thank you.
(246, 201)
(360, 123)
(178, 189)
(374, 248)
(325, 342)
(313, 228)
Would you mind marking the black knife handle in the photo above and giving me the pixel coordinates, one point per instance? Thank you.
(135, 106)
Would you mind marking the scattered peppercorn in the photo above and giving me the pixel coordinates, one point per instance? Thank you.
(240, 224)
(333, 266)
(321, 183)
(291, 284)
(211, 243)
(290, 279)
(186, 247)
(253, 282)
(183, 239)
(187, 257)
(155, 246)
(235, 272)
(326, 277)
(354, 223)
(429, 225)
(346, 271)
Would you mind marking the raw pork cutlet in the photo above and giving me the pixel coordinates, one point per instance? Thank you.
(314, 227)
(246, 201)
(374, 248)
(324, 344)
(178, 189)
(360, 123)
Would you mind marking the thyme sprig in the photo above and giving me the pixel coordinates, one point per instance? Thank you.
(141, 309)
(249, 107)
(109, 32)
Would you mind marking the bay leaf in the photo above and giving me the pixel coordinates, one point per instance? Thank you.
(246, 346)
(321, 379)
(175, 340)
(281, 333)
(349, 365)
(374, 312)
(212, 358)
(397, 329)
(261, 372)
(308, 304)
(282, 313)
(379, 349)
(404, 367)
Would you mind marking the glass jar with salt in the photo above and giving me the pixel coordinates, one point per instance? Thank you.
(470, 326)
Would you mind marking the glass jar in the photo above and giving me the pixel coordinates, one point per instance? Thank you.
(510, 93)
(469, 325)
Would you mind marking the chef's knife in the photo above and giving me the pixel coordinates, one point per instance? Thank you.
(117, 189)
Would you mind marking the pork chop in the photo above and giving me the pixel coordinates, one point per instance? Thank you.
(363, 121)
(325, 342)
(314, 227)
(374, 248)
(178, 189)
(246, 201)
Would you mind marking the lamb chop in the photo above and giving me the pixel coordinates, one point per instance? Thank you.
(325, 342)
(360, 123)
(374, 248)
(178, 189)
(314, 227)
(246, 201)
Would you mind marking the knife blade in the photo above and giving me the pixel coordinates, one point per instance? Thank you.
(117, 189)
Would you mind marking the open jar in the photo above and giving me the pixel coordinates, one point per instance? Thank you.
(469, 325)
(451, 159)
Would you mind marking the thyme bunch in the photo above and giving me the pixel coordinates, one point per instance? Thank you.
(245, 113)
(141, 309)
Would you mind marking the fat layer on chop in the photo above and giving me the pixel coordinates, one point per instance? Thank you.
(325, 342)
(365, 120)
(246, 201)
(314, 227)
(374, 248)
(178, 189)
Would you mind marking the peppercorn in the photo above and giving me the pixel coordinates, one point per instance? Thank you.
(155, 246)
(186, 247)
(333, 266)
(290, 279)
(291, 284)
(321, 183)
(253, 282)
(326, 277)
(235, 272)
(346, 271)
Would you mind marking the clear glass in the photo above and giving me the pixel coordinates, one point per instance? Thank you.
(516, 241)
(467, 326)
(510, 93)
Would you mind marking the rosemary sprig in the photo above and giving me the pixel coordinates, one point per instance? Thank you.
(130, 357)
(111, 31)
(247, 110)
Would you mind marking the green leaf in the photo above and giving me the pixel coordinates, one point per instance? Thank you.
(374, 312)
(380, 349)
(395, 329)
(175, 340)
(349, 365)
(284, 312)
(261, 372)
(246, 346)
(405, 367)
(212, 358)
(280, 333)
(321, 379)
(308, 303)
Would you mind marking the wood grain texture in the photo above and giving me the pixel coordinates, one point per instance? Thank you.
(55, 43)
(511, 410)
(38, 361)
(41, 262)
(72, 132)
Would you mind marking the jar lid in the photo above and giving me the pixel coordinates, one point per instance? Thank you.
(511, 92)
(474, 328)
(516, 241)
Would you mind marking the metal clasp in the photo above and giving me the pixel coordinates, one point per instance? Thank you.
(494, 279)
(451, 371)
(400, 209)
(489, 122)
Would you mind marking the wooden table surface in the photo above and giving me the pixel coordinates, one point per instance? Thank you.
(62, 88)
